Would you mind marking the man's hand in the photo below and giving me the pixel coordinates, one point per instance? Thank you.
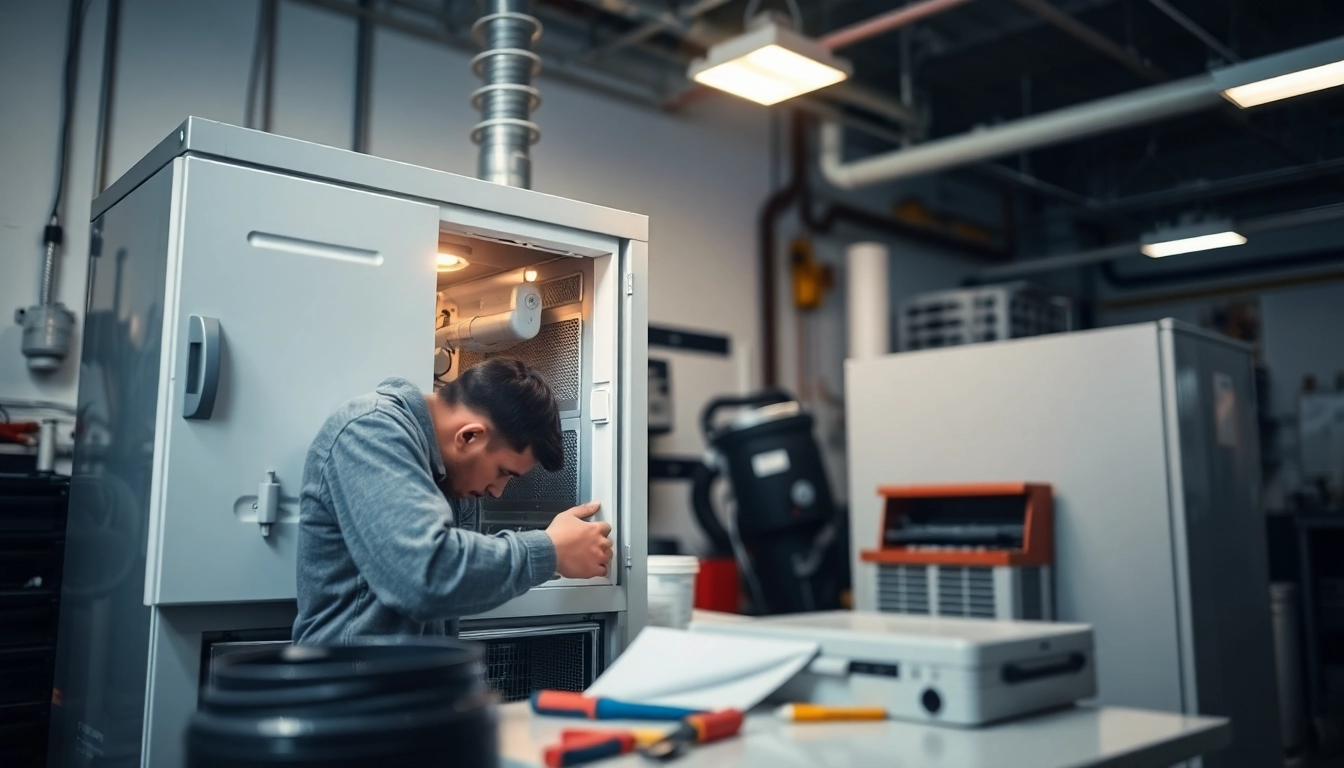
(582, 549)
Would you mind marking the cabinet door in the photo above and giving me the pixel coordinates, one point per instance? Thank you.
(293, 296)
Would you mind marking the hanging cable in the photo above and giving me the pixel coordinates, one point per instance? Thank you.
(72, 38)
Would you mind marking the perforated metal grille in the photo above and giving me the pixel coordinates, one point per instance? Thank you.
(903, 589)
(992, 313)
(965, 592)
(1033, 604)
(540, 485)
(517, 666)
(561, 291)
(556, 351)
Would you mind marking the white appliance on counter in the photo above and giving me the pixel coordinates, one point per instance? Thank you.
(951, 671)
(242, 286)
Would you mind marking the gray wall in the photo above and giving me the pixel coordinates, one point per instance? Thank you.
(699, 175)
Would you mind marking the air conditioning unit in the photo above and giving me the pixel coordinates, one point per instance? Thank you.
(979, 551)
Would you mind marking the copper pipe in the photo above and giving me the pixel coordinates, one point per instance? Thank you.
(886, 22)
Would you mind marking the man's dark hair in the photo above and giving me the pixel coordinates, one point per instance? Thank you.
(518, 401)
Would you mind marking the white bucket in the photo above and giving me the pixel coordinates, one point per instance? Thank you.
(672, 590)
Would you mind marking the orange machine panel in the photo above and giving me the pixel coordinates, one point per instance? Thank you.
(983, 524)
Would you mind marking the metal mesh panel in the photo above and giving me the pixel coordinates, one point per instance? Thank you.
(903, 589)
(517, 666)
(556, 351)
(540, 485)
(970, 315)
(561, 291)
(966, 592)
(1033, 608)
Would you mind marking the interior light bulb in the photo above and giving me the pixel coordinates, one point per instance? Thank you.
(450, 262)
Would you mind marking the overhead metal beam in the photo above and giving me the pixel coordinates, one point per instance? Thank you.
(663, 22)
(1092, 38)
(610, 83)
(1189, 25)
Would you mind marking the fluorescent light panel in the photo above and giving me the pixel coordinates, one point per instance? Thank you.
(1287, 86)
(769, 63)
(1191, 244)
(770, 75)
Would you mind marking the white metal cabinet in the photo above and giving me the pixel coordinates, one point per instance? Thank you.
(304, 279)
(1147, 434)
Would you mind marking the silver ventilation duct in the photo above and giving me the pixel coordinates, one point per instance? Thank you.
(507, 64)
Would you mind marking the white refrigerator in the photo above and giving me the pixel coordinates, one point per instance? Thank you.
(241, 287)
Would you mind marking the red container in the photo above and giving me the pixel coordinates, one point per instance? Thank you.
(716, 586)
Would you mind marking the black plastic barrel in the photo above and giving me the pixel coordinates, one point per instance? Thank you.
(414, 703)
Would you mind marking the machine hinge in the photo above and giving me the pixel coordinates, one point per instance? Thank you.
(629, 285)
(629, 561)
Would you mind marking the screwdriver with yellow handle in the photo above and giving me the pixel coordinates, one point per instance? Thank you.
(818, 713)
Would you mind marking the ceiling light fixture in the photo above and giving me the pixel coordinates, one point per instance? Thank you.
(1285, 75)
(769, 63)
(1204, 236)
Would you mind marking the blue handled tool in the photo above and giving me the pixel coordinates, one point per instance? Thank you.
(567, 704)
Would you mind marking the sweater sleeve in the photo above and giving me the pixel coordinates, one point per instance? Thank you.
(398, 529)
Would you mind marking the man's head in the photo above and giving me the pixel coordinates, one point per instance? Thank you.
(495, 422)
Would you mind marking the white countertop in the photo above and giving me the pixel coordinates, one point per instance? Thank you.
(1078, 737)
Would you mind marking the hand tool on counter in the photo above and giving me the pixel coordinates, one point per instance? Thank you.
(567, 704)
(700, 728)
(583, 745)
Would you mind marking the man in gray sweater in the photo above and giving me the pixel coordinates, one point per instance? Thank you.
(383, 551)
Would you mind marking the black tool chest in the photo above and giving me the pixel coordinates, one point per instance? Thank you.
(32, 548)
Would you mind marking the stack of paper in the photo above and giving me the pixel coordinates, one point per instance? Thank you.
(674, 668)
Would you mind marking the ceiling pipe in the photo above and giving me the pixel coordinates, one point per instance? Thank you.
(797, 191)
(886, 22)
(1139, 107)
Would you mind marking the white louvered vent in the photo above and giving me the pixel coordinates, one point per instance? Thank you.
(903, 589)
(966, 592)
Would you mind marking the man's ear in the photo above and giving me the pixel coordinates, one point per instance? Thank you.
(471, 434)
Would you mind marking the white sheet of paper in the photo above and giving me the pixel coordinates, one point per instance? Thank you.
(699, 670)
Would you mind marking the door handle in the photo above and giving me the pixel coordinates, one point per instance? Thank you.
(1023, 672)
(202, 384)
